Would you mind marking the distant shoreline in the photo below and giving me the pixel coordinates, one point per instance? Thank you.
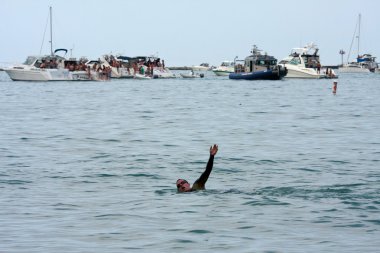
(179, 68)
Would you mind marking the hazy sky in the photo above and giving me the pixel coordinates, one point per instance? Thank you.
(187, 32)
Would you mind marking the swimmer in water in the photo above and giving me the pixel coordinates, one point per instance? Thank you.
(199, 184)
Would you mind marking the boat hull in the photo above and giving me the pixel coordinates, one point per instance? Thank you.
(27, 75)
(199, 68)
(353, 70)
(303, 73)
(49, 75)
(259, 75)
(192, 75)
(221, 73)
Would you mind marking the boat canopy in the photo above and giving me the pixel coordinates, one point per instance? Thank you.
(137, 58)
(60, 49)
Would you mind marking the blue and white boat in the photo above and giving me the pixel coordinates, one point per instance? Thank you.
(258, 67)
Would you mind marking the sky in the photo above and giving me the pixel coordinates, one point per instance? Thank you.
(187, 32)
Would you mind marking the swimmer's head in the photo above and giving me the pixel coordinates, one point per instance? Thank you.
(183, 185)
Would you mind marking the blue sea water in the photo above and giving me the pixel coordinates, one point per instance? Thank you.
(91, 166)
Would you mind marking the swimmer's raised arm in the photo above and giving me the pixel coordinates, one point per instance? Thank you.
(200, 183)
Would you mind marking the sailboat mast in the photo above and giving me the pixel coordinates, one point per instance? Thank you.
(51, 32)
(360, 17)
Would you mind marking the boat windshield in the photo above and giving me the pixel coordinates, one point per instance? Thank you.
(295, 61)
(30, 60)
(266, 62)
(227, 64)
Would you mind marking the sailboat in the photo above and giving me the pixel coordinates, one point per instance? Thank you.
(51, 67)
(364, 63)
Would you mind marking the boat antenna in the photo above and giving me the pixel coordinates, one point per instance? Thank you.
(51, 32)
(71, 51)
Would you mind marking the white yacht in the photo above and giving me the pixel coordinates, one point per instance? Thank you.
(202, 67)
(49, 68)
(364, 63)
(224, 69)
(304, 63)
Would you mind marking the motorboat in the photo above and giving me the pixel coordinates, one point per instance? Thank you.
(160, 72)
(304, 62)
(225, 68)
(201, 67)
(364, 63)
(258, 66)
(51, 68)
(128, 67)
(120, 66)
(192, 74)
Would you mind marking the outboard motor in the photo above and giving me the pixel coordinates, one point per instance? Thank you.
(202, 75)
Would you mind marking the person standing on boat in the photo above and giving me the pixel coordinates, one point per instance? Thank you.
(199, 184)
(318, 67)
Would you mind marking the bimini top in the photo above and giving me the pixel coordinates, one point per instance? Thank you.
(309, 49)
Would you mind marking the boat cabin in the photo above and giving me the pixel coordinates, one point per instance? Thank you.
(255, 62)
(306, 57)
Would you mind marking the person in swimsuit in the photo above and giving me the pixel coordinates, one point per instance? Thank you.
(199, 184)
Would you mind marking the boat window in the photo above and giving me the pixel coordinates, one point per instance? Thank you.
(30, 60)
(295, 61)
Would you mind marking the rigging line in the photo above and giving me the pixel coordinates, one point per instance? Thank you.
(352, 41)
(43, 38)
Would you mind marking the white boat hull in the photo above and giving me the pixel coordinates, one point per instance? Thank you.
(17, 74)
(163, 73)
(353, 70)
(27, 75)
(192, 75)
(140, 76)
(199, 68)
(302, 73)
(221, 73)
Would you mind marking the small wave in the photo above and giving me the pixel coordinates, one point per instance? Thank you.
(200, 231)
(266, 162)
(105, 175)
(101, 156)
(14, 181)
(109, 215)
(184, 241)
(61, 206)
(143, 175)
(338, 161)
(266, 202)
(112, 140)
(376, 222)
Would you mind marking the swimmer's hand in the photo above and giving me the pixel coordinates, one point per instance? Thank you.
(213, 150)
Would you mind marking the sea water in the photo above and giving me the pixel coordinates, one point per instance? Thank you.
(92, 166)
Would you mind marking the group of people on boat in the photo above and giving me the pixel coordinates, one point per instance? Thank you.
(135, 65)
(103, 72)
